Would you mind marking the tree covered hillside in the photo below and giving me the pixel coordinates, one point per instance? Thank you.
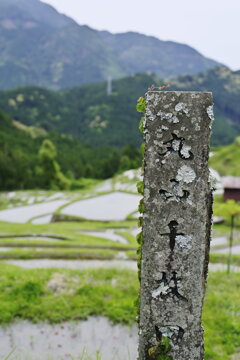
(226, 159)
(88, 114)
(32, 158)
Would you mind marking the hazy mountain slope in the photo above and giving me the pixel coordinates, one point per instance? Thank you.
(39, 46)
(88, 114)
(140, 53)
(29, 13)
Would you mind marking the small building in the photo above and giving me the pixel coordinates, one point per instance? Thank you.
(231, 185)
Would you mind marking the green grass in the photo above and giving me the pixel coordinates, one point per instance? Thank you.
(24, 294)
(81, 241)
(62, 228)
(59, 253)
(129, 237)
(66, 229)
(70, 231)
(58, 249)
(226, 159)
(221, 316)
(221, 229)
(216, 258)
(8, 356)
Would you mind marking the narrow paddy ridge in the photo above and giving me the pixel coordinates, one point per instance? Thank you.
(235, 250)
(107, 234)
(95, 264)
(46, 219)
(73, 264)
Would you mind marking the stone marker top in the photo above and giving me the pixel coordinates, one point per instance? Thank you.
(178, 92)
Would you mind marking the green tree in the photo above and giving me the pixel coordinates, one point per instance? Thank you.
(125, 163)
(48, 170)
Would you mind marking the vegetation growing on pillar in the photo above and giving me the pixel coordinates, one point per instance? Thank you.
(141, 107)
(160, 350)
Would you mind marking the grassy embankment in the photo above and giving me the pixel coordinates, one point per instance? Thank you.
(27, 294)
(81, 246)
(69, 242)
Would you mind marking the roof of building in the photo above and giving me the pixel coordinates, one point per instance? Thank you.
(231, 182)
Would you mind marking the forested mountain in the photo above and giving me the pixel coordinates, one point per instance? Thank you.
(39, 46)
(95, 134)
(31, 158)
(90, 115)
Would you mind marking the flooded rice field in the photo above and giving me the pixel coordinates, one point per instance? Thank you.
(70, 340)
(23, 214)
(114, 206)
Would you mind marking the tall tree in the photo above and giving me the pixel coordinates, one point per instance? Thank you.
(48, 170)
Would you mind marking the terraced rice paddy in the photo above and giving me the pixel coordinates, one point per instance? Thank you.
(82, 232)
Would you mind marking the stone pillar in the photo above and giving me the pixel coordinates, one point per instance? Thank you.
(176, 224)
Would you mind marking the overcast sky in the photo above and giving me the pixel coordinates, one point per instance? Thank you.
(210, 26)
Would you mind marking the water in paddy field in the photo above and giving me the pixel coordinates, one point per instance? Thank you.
(112, 206)
(69, 340)
(23, 214)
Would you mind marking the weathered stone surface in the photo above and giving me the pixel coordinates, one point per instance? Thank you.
(176, 223)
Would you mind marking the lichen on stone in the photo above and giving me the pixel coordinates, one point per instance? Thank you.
(210, 112)
(176, 145)
(150, 115)
(213, 181)
(186, 174)
(149, 97)
(161, 290)
(185, 151)
(181, 107)
(164, 116)
(164, 127)
(175, 120)
(197, 127)
(184, 241)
